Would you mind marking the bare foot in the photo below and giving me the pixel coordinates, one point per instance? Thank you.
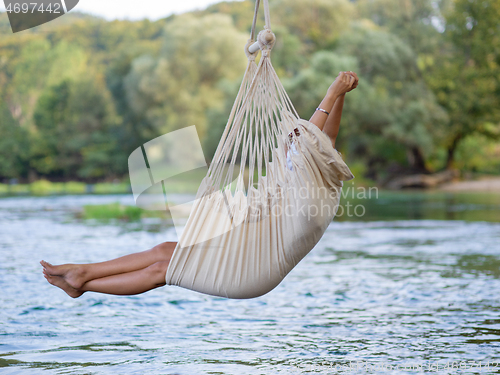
(73, 274)
(61, 283)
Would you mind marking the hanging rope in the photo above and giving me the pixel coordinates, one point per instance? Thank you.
(267, 17)
(252, 34)
(266, 37)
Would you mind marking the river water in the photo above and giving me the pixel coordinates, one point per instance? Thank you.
(411, 286)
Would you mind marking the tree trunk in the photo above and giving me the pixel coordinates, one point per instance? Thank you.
(416, 160)
(450, 161)
(32, 176)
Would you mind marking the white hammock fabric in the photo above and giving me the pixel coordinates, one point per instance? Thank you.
(254, 218)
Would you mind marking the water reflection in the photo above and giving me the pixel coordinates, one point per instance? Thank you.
(418, 205)
(384, 291)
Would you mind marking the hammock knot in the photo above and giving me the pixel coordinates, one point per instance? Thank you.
(266, 39)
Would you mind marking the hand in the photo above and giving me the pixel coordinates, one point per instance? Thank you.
(345, 82)
(356, 80)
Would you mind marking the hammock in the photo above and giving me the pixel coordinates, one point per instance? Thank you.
(270, 192)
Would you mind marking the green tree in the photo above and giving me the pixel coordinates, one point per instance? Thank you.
(317, 23)
(466, 76)
(289, 51)
(75, 124)
(413, 117)
(392, 109)
(175, 89)
(241, 12)
(135, 129)
(13, 146)
(413, 21)
(39, 65)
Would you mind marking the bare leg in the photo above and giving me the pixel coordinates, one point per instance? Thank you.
(124, 284)
(76, 275)
(130, 283)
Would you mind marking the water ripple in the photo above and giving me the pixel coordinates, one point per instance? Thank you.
(398, 292)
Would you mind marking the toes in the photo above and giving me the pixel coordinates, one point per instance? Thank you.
(49, 268)
(49, 279)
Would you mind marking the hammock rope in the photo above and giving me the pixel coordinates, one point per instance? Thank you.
(239, 240)
(257, 111)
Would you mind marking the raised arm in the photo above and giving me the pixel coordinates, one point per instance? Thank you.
(332, 125)
(333, 103)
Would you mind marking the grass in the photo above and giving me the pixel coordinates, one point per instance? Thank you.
(111, 188)
(44, 187)
(117, 211)
(14, 189)
(184, 184)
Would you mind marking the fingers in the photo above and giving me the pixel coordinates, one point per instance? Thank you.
(347, 77)
(351, 79)
(353, 75)
(349, 74)
(345, 82)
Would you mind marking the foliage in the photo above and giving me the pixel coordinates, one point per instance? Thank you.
(13, 145)
(74, 130)
(417, 22)
(391, 105)
(317, 23)
(106, 212)
(46, 187)
(79, 94)
(175, 88)
(478, 153)
(111, 188)
(466, 77)
(41, 187)
(111, 211)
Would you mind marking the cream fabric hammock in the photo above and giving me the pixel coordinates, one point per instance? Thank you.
(257, 214)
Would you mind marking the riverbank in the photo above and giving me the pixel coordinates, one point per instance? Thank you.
(485, 184)
(43, 187)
